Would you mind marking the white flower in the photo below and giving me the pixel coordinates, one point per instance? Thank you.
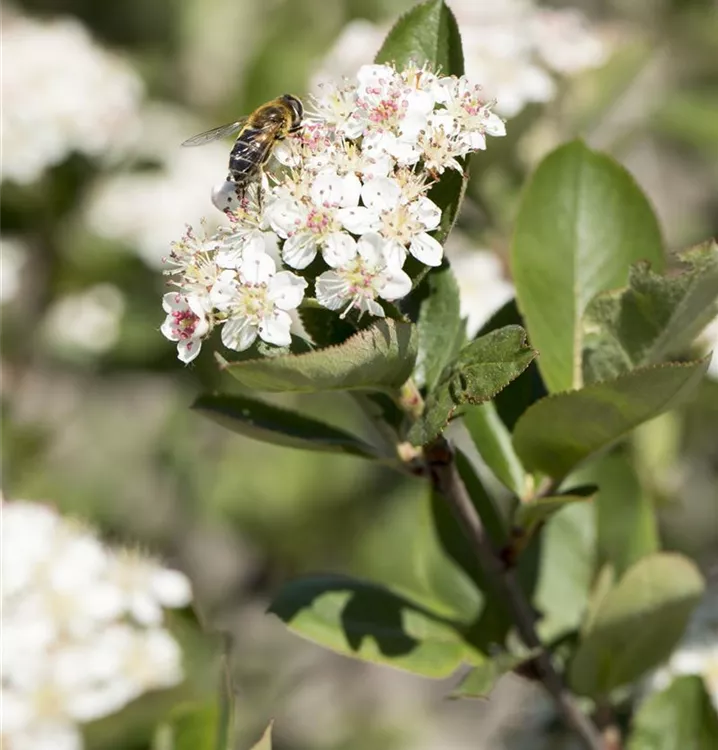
(187, 323)
(361, 273)
(145, 210)
(256, 301)
(401, 224)
(87, 321)
(69, 654)
(565, 41)
(308, 224)
(87, 100)
(142, 587)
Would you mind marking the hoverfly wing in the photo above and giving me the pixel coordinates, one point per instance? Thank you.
(223, 131)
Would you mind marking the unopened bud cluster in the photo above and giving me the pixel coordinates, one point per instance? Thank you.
(346, 209)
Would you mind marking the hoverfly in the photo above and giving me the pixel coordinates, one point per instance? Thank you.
(258, 133)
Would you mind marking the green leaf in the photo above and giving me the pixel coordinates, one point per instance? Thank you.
(637, 624)
(481, 680)
(493, 442)
(654, 317)
(428, 33)
(369, 622)
(273, 424)
(379, 358)
(324, 326)
(439, 324)
(558, 432)
(442, 563)
(481, 369)
(193, 726)
(626, 518)
(265, 742)
(681, 717)
(529, 515)
(568, 543)
(581, 223)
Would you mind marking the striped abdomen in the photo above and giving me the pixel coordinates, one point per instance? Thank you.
(250, 151)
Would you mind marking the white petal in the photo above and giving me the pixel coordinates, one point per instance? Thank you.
(476, 141)
(173, 301)
(169, 330)
(494, 125)
(395, 254)
(381, 193)
(427, 212)
(171, 588)
(257, 268)
(339, 249)
(275, 329)
(371, 75)
(286, 290)
(372, 307)
(300, 250)
(238, 334)
(371, 248)
(285, 215)
(331, 189)
(359, 220)
(426, 249)
(331, 290)
(396, 284)
(188, 350)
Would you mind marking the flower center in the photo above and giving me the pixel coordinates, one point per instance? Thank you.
(320, 221)
(254, 303)
(185, 323)
(398, 224)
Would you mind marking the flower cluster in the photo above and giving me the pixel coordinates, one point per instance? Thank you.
(347, 210)
(83, 627)
(62, 93)
(515, 47)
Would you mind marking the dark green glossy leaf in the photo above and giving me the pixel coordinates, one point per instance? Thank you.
(637, 623)
(493, 442)
(681, 717)
(369, 622)
(582, 222)
(481, 680)
(482, 368)
(273, 424)
(426, 34)
(558, 432)
(324, 326)
(439, 324)
(654, 317)
(380, 358)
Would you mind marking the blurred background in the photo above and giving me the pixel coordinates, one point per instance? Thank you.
(96, 99)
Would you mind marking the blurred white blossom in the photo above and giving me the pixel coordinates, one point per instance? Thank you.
(61, 93)
(349, 193)
(86, 321)
(146, 209)
(82, 627)
(13, 254)
(512, 47)
(483, 287)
